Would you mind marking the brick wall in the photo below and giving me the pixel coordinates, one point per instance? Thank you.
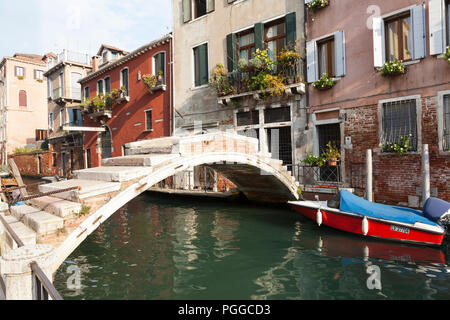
(28, 164)
(396, 176)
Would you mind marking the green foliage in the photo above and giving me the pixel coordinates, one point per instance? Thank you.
(447, 55)
(325, 82)
(85, 210)
(317, 4)
(22, 150)
(44, 145)
(392, 68)
(312, 160)
(331, 152)
(401, 147)
(100, 102)
(220, 81)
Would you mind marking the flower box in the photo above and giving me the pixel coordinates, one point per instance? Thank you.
(317, 4)
(392, 68)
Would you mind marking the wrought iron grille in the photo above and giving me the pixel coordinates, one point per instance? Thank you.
(317, 176)
(446, 142)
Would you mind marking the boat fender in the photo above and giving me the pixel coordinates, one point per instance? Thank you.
(319, 217)
(365, 226)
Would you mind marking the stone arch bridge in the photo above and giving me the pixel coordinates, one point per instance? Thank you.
(62, 221)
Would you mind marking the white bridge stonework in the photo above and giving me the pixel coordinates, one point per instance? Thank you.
(60, 220)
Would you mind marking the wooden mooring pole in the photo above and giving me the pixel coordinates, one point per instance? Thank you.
(426, 189)
(369, 176)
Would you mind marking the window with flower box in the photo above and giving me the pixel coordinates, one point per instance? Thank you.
(327, 63)
(398, 38)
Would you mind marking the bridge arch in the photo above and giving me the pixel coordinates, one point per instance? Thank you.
(245, 170)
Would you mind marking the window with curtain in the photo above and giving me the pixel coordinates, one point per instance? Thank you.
(399, 38)
(246, 44)
(22, 98)
(275, 37)
(326, 52)
(201, 75)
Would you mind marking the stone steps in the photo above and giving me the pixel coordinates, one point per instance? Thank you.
(140, 160)
(113, 173)
(89, 188)
(58, 207)
(27, 235)
(43, 223)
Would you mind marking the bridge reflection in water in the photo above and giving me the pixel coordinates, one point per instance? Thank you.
(160, 247)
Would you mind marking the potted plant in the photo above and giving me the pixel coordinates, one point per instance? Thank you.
(392, 68)
(313, 161)
(404, 145)
(317, 4)
(324, 83)
(331, 154)
(447, 54)
(20, 77)
(220, 81)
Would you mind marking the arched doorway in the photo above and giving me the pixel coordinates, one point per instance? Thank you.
(106, 143)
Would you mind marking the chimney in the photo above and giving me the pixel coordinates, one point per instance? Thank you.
(95, 63)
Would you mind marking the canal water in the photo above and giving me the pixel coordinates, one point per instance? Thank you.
(164, 247)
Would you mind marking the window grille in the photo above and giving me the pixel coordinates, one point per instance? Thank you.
(247, 118)
(277, 115)
(400, 120)
(446, 144)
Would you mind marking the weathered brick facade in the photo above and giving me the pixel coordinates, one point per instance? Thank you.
(35, 164)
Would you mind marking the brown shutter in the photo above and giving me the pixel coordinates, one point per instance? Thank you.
(22, 98)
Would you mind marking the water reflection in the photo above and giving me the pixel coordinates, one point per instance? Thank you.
(166, 248)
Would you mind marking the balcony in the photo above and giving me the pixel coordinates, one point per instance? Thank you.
(61, 95)
(69, 56)
(98, 106)
(77, 126)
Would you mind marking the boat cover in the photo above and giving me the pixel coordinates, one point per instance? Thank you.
(434, 209)
(354, 204)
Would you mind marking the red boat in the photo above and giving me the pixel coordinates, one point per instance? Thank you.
(356, 215)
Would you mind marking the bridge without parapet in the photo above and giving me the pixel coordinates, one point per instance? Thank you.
(62, 220)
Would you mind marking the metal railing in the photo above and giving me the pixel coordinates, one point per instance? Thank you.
(325, 175)
(68, 55)
(240, 80)
(43, 288)
(75, 93)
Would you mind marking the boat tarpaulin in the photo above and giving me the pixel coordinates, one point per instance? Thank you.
(434, 208)
(354, 204)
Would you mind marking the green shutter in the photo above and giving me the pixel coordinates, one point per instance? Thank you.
(259, 36)
(161, 63)
(186, 10)
(232, 57)
(291, 29)
(203, 67)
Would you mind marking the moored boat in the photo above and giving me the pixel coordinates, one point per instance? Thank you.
(353, 214)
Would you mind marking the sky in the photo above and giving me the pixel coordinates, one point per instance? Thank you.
(42, 26)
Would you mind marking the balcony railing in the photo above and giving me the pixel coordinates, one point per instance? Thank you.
(74, 93)
(325, 175)
(69, 56)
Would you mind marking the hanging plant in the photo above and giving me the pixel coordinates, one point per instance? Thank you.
(324, 83)
(447, 54)
(220, 81)
(392, 68)
(317, 4)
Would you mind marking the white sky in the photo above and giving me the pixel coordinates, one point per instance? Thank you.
(41, 26)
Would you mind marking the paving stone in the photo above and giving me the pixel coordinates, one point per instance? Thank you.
(89, 188)
(58, 207)
(40, 221)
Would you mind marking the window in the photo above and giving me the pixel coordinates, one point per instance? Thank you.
(326, 57)
(277, 115)
(22, 98)
(159, 65)
(50, 121)
(399, 119)
(196, 8)
(124, 80)
(246, 44)
(88, 158)
(86, 93)
(398, 38)
(100, 87)
(39, 74)
(105, 56)
(62, 114)
(247, 118)
(19, 72)
(201, 75)
(148, 120)
(108, 85)
(446, 140)
(41, 135)
(54, 159)
(447, 21)
(275, 37)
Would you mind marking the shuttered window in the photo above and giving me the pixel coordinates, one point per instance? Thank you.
(108, 85)
(326, 56)
(438, 23)
(22, 98)
(401, 36)
(400, 120)
(100, 87)
(201, 65)
(124, 80)
(19, 72)
(86, 93)
(447, 122)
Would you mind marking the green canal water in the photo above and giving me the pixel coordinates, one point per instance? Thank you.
(168, 248)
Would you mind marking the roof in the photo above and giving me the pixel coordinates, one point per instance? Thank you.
(105, 46)
(128, 57)
(29, 57)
